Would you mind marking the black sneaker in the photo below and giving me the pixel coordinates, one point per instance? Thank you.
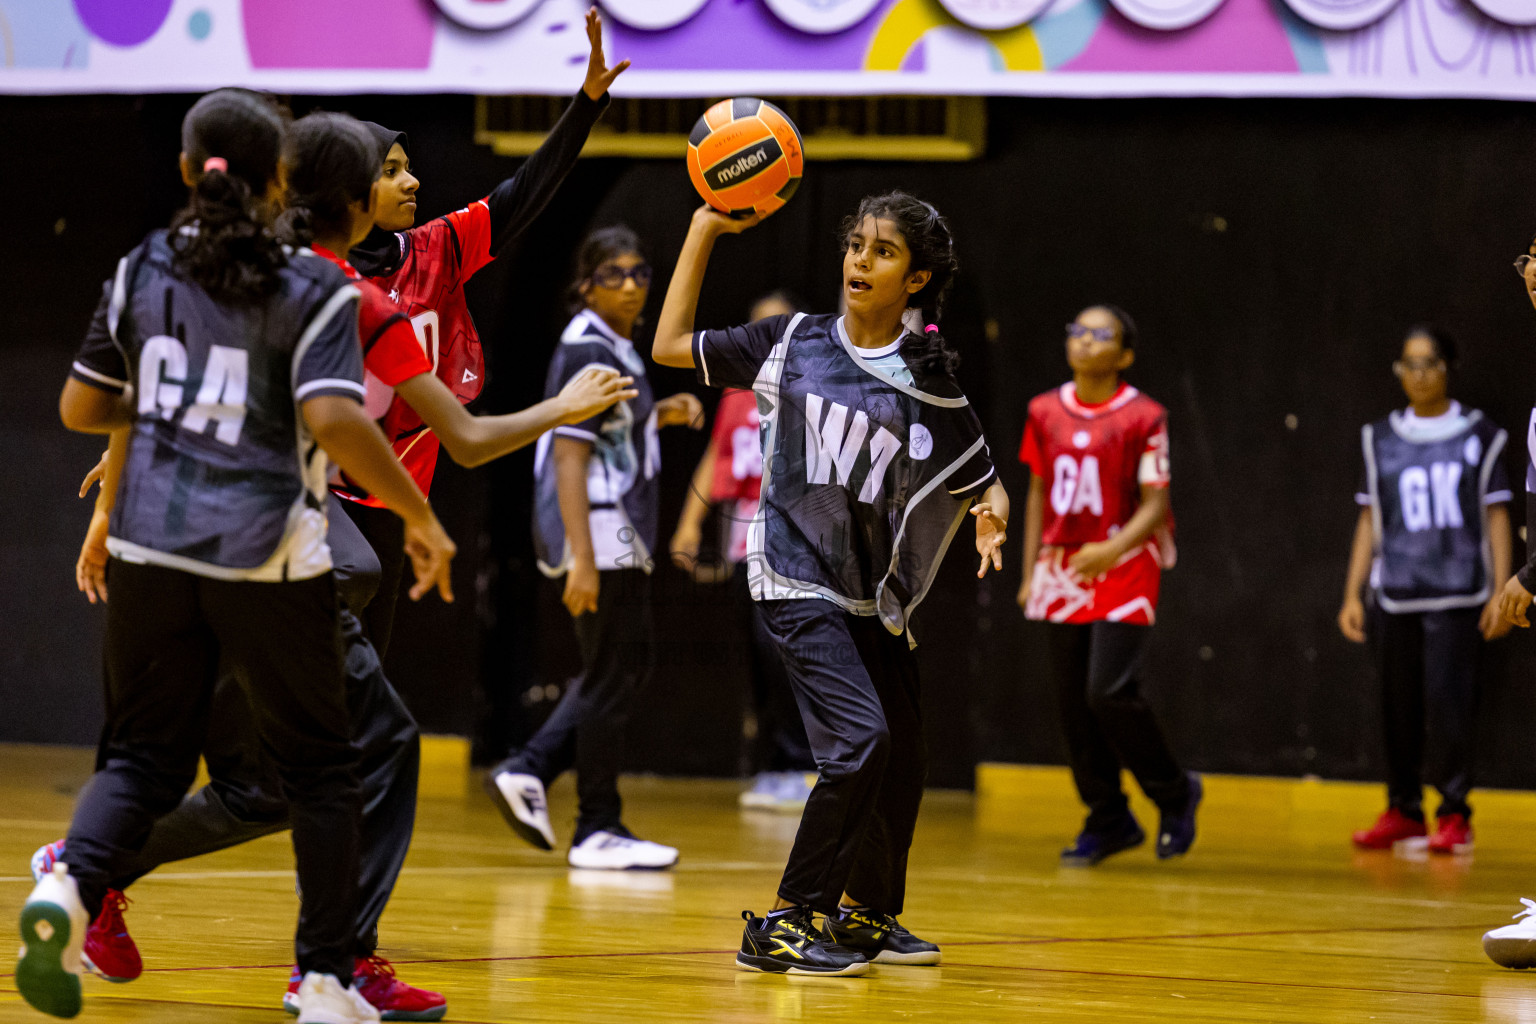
(790, 944)
(1092, 846)
(1176, 832)
(880, 938)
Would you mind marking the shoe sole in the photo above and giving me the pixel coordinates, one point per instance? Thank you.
(768, 965)
(1516, 954)
(526, 832)
(41, 977)
(436, 1013)
(626, 867)
(928, 958)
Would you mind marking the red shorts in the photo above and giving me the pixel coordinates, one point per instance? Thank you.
(1127, 593)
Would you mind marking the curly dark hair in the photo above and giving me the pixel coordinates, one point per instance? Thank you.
(220, 238)
(932, 246)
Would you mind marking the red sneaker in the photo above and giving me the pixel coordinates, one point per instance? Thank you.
(394, 999)
(375, 979)
(1392, 826)
(1454, 835)
(109, 949)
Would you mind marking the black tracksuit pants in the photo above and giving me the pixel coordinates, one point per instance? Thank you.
(244, 798)
(166, 633)
(857, 688)
(1428, 670)
(586, 729)
(1106, 721)
(782, 745)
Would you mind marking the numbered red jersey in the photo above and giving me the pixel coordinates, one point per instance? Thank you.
(437, 258)
(1093, 461)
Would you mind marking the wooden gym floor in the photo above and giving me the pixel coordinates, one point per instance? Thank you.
(1271, 918)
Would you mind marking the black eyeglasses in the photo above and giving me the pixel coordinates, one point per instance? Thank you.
(1403, 367)
(610, 276)
(1096, 333)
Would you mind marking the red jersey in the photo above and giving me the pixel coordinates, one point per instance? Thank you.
(437, 258)
(738, 447)
(390, 350)
(1093, 461)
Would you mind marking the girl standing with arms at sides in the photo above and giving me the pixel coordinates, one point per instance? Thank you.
(1433, 538)
(245, 363)
(595, 511)
(424, 270)
(872, 459)
(731, 475)
(1096, 540)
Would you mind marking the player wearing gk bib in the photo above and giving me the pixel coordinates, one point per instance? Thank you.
(595, 509)
(245, 368)
(730, 476)
(1096, 541)
(872, 459)
(424, 269)
(332, 165)
(1433, 534)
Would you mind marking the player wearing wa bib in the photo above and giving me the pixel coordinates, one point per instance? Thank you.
(1094, 459)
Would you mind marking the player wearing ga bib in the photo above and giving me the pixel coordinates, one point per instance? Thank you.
(1094, 459)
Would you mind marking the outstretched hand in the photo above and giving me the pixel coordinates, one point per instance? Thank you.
(991, 532)
(717, 223)
(599, 75)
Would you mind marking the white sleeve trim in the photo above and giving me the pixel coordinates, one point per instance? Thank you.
(576, 432)
(698, 345)
(1498, 497)
(328, 384)
(339, 298)
(979, 480)
(86, 371)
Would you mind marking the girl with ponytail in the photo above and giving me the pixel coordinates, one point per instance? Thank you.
(244, 368)
(872, 460)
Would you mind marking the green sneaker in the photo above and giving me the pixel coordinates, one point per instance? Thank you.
(53, 924)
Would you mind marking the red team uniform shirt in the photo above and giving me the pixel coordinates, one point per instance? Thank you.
(391, 353)
(437, 259)
(737, 442)
(1093, 460)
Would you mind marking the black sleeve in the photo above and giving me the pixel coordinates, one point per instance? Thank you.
(101, 362)
(518, 200)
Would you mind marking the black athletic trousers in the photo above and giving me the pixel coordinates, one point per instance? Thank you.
(244, 799)
(1106, 721)
(166, 632)
(1428, 667)
(858, 692)
(782, 745)
(586, 729)
(384, 534)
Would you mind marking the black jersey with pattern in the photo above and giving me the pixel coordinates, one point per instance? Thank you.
(222, 478)
(869, 463)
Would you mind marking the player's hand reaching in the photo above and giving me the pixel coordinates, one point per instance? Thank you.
(431, 552)
(599, 75)
(991, 532)
(711, 220)
(91, 567)
(680, 410)
(1514, 601)
(594, 389)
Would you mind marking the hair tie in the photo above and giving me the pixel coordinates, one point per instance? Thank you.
(932, 329)
(215, 163)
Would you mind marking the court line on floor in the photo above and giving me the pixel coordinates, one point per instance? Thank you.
(1220, 981)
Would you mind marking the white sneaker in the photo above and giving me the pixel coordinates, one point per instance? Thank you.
(521, 800)
(764, 792)
(793, 790)
(1514, 945)
(322, 1000)
(53, 924)
(611, 851)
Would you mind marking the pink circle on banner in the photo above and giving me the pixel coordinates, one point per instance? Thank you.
(1166, 15)
(1344, 15)
(123, 22)
(339, 33)
(1511, 12)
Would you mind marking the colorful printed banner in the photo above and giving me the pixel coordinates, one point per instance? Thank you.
(780, 47)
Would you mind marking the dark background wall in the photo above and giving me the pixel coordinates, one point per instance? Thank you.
(1273, 252)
